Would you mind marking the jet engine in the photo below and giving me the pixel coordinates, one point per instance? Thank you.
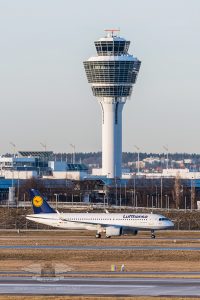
(130, 231)
(112, 230)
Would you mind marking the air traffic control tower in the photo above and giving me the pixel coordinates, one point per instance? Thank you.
(112, 74)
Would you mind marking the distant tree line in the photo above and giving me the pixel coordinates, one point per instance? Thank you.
(139, 192)
(95, 157)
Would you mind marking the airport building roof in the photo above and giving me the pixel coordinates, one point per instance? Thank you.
(46, 154)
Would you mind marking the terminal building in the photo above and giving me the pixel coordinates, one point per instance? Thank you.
(25, 165)
(71, 180)
(14, 170)
(39, 164)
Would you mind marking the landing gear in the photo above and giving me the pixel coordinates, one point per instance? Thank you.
(152, 234)
(98, 235)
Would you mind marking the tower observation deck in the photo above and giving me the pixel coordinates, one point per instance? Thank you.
(112, 74)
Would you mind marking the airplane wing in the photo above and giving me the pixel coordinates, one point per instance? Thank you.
(83, 222)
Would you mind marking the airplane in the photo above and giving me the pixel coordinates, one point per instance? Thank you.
(112, 224)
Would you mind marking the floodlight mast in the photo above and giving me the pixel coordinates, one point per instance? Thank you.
(44, 146)
(73, 153)
(14, 148)
(167, 150)
(112, 74)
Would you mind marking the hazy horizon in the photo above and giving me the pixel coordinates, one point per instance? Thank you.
(44, 92)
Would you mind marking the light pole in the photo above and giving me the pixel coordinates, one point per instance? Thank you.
(185, 203)
(24, 200)
(147, 201)
(134, 190)
(57, 198)
(66, 196)
(156, 197)
(116, 193)
(161, 191)
(18, 189)
(138, 167)
(125, 192)
(44, 146)
(45, 149)
(132, 196)
(166, 201)
(14, 148)
(191, 193)
(73, 153)
(120, 197)
(167, 151)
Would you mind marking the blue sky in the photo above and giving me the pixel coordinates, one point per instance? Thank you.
(44, 93)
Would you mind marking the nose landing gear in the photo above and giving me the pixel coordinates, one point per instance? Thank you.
(153, 234)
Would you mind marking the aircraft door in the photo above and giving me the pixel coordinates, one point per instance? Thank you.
(151, 221)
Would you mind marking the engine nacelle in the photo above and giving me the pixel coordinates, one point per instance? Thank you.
(112, 230)
(130, 231)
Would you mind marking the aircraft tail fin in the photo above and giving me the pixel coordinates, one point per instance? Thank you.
(40, 205)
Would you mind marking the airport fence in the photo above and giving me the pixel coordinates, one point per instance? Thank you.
(15, 218)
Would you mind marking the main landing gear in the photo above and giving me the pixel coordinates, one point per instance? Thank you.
(98, 235)
(153, 234)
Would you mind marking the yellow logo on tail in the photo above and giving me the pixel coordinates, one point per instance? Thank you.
(37, 201)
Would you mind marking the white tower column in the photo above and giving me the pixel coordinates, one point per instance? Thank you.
(112, 74)
(111, 137)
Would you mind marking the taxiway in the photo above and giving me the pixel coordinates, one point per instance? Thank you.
(100, 286)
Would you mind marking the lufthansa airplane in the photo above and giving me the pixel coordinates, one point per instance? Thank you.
(112, 224)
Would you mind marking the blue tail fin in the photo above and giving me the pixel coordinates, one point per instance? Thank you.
(40, 205)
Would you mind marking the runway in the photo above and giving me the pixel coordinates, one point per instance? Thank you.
(101, 286)
(91, 238)
(100, 248)
(100, 273)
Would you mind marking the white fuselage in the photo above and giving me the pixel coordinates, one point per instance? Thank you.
(98, 221)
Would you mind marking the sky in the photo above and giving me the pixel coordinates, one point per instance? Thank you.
(44, 94)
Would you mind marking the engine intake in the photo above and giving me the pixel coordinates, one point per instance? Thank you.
(113, 231)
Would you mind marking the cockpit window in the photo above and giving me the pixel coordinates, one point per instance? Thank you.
(163, 219)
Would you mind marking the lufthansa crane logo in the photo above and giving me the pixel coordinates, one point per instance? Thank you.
(37, 201)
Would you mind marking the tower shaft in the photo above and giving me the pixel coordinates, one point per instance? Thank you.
(112, 74)
(111, 138)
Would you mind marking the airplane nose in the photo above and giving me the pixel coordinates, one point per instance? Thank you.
(171, 224)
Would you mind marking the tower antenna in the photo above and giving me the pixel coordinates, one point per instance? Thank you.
(110, 32)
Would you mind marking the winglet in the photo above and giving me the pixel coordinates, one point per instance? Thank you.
(40, 205)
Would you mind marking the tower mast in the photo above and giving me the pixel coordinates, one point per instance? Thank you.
(112, 74)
